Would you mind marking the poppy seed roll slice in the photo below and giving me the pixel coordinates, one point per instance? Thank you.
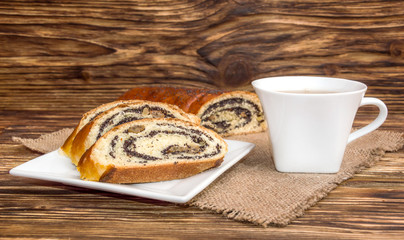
(122, 113)
(86, 118)
(226, 112)
(151, 150)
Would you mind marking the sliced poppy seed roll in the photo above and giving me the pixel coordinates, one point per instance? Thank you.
(122, 113)
(152, 150)
(233, 113)
(88, 117)
(226, 112)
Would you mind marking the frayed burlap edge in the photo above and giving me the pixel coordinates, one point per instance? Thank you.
(53, 141)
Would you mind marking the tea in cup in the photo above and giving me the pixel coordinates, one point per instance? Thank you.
(310, 120)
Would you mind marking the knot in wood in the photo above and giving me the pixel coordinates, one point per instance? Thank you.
(86, 75)
(397, 48)
(235, 71)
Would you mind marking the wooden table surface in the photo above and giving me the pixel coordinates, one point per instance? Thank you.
(59, 59)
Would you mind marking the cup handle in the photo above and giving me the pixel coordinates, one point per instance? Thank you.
(373, 125)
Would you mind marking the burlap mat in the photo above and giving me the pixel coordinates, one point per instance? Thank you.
(254, 191)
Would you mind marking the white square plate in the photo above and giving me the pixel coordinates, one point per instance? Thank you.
(58, 168)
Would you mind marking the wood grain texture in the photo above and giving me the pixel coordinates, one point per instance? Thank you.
(60, 58)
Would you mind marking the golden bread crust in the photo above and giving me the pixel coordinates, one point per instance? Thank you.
(67, 145)
(78, 146)
(188, 99)
(91, 170)
(167, 172)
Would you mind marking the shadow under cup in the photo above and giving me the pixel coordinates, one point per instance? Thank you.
(310, 120)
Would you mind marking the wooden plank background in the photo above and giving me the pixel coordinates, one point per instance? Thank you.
(59, 59)
(81, 45)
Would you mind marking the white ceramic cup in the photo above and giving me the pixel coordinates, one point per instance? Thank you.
(309, 131)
